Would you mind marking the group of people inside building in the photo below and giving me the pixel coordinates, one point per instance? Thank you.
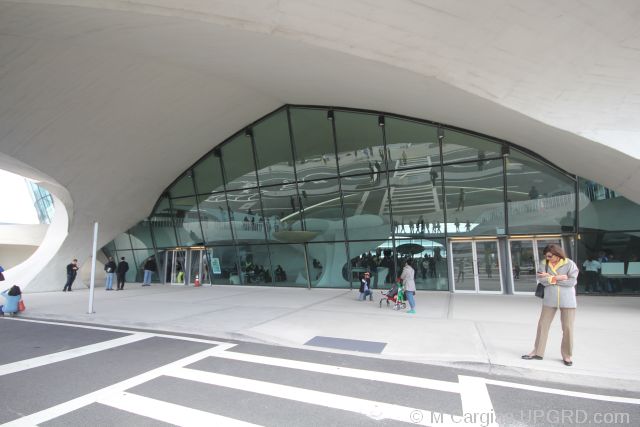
(594, 280)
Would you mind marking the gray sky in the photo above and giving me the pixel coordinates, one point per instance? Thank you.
(16, 206)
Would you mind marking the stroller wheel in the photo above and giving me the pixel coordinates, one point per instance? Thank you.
(380, 303)
(403, 306)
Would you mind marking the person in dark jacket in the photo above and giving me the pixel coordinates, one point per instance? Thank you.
(121, 272)
(365, 287)
(149, 268)
(72, 272)
(110, 270)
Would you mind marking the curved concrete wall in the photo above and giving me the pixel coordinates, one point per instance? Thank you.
(107, 104)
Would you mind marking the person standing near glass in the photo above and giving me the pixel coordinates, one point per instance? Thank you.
(559, 278)
(149, 268)
(408, 280)
(121, 272)
(72, 272)
(110, 270)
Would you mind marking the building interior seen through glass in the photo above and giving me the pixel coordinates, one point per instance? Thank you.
(316, 197)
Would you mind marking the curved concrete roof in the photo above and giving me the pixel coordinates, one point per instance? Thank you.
(106, 102)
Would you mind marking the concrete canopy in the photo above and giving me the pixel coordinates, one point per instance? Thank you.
(106, 102)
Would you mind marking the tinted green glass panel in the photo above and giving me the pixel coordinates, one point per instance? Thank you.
(122, 241)
(322, 210)
(281, 209)
(601, 209)
(239, 169)
(313, 139)
(141, 235)
(214, 217)
(273, 148)
(247, 221)
(540, 198)
(208, 175)
(288, 265)
(475, 197)
(183, 187)
(418, 208)
(411, 144)
(255, 265)
(162, 224)
(185, 217)
(328, 265)
(459, 146)
(366, 208)
(222, 266)
(360, 143)
(429, 262)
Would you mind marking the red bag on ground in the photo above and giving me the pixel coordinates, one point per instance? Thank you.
(21, 306)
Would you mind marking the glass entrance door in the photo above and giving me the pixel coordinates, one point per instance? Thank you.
(175, 266)
(526, 259)
(475, 266)
(488, 263)
(462, 267)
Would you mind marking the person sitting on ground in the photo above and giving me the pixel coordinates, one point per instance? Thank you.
(365, 287)
(12, 296)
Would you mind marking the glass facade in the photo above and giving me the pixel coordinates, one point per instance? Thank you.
(314, 197)
(42, 201)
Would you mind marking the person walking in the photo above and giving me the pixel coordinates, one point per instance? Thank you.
(149, 268)
(72, 272)
(121, 272)
(110, 270)
(408, 280)
(559, 278)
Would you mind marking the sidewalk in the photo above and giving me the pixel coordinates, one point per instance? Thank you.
(486, 333)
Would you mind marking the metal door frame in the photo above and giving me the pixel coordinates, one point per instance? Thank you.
(169, 258)
(476, 273)
(536, 259)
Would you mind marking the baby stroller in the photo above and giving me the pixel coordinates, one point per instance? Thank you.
(394, 297)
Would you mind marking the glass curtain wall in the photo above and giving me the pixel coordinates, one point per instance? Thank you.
(314, 197)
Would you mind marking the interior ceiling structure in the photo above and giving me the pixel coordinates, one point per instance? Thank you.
(106, 102)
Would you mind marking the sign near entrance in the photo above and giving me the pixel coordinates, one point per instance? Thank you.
(215, 266)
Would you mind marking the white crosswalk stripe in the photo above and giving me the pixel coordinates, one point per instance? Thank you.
(168, 412)
(472, 391)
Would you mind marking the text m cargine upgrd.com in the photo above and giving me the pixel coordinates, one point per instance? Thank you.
(528, 416)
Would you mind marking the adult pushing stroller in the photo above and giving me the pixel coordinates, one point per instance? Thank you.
(394, 297)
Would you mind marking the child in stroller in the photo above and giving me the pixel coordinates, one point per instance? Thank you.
(394, 296)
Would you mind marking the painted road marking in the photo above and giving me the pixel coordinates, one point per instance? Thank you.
(60, 356)
(87, 399)
(124, 331)
(345, 372)
(168, 412)
(370, 408)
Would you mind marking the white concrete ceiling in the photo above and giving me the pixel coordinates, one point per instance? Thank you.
(108, 101)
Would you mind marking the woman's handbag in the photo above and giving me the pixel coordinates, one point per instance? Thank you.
(540, 287)
(540, 290)
(21, 306)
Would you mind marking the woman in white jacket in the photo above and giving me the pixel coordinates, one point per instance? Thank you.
(408, 280)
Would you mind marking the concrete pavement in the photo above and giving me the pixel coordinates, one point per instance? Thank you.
(486, 333)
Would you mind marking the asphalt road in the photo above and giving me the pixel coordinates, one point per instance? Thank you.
(54, 374)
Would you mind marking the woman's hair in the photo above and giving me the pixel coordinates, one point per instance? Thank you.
(555, 250)
(409, 262)
(14, 291)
